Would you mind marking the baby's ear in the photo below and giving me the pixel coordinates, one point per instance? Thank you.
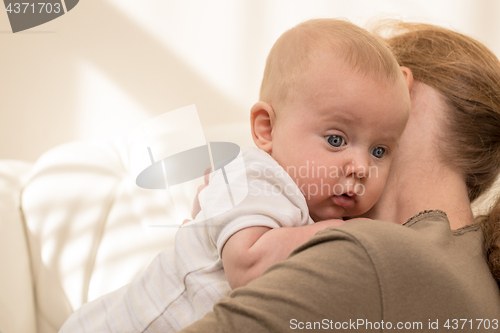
(262, 121)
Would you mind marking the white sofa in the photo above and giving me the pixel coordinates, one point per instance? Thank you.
(74, 226)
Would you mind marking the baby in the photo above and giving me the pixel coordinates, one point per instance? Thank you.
(334, 103)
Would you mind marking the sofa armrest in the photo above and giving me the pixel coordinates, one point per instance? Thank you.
(17, 301)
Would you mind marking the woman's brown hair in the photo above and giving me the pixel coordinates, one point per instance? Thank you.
(468, 76)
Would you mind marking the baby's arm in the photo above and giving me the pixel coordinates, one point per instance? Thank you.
(250, 251)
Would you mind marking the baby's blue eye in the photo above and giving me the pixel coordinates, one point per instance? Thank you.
(378, 152)
(335, 140)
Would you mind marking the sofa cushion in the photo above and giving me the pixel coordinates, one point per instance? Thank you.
(89, 224)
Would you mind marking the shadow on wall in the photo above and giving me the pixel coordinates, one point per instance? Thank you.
(40, 77)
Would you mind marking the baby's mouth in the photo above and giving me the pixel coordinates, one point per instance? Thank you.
(344, 200)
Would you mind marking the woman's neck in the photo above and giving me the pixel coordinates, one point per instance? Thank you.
(419, 179)
(424, 186)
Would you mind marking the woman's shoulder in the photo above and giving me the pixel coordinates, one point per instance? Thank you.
(416, 261)
(427, 225)
(427, 234)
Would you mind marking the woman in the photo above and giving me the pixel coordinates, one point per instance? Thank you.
(430, 273)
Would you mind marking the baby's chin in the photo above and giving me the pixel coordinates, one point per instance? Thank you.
(331, 214)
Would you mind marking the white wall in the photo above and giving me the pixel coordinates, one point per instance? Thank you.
(108, 65)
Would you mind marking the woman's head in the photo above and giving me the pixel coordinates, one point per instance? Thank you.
(467, 75)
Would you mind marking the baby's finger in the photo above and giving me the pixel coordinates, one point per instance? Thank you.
(186, 221)
(207, 175)
(201, 187)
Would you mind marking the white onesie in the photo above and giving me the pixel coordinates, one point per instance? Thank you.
(181, 286)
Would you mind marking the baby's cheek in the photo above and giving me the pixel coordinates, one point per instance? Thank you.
(384, 174)
(369, 198)
(378, 182)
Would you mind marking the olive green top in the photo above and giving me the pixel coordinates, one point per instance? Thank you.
(368, 275)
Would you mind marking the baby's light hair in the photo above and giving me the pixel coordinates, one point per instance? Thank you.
(289, 57)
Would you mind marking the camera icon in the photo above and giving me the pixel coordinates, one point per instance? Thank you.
(179, 153)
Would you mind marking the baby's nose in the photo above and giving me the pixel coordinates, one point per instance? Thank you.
(357, 167)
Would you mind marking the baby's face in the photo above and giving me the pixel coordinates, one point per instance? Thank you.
(336, 137)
